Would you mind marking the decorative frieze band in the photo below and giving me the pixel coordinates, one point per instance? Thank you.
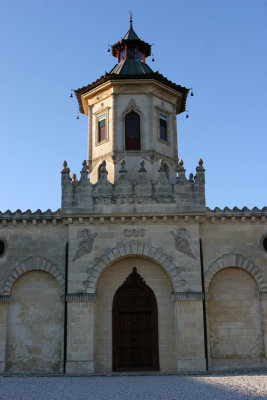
(190, 296)
(4, 299)
(80, 297)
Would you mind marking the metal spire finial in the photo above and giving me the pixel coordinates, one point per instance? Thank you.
(131, 19)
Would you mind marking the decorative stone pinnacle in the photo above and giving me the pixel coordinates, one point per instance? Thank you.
(74, 178)
(191, 178)
(161, 166)
(84, 163)
(142, 165)
(122, 164)
(180, 162)
(65, 164)
(103, 170)
(200, 162)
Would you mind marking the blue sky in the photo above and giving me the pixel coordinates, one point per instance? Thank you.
(217, 47)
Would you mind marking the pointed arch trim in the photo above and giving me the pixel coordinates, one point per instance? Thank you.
(33, 263)
(235, 260)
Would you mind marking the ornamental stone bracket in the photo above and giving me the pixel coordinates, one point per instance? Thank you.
(235, 260)
(33, 263)
(137, 248)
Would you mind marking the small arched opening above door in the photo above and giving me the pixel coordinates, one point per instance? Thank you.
(135, 326)
(132, 131)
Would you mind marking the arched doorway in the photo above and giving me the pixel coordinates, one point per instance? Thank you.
(135, 326)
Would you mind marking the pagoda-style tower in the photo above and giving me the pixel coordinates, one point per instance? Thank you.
(132, 115)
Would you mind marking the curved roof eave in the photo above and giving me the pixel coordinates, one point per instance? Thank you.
(109, 77)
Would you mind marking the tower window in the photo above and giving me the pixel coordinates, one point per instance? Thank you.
(163, 120)
(102, 132)
(132, 131)
(140, 55)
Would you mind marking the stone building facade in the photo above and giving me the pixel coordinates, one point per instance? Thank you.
(134, 272)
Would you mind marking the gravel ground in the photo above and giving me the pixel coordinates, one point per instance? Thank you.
(171, 387)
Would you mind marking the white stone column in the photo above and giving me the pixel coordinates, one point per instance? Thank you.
(113, 133)
(3, 331)
(80, 334)
(90, 133)
(263, 300)
(148, 140)
(190, 333)
(174, 132)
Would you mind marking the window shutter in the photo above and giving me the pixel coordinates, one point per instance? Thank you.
(163, 127)
(102, 128)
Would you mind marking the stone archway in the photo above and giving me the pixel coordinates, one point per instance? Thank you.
(235, 260)
(33, 263)
(134, 248)
(108, 283)
(35, 324)
(135, 326)
(234, 320)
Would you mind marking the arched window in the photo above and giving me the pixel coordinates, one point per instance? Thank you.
(132, 131)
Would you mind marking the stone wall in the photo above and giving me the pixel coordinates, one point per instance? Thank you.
(102, 250)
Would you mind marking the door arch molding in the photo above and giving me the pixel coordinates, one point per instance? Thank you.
(135, 248)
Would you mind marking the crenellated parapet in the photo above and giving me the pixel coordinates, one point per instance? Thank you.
(237, 212)
(127, 197)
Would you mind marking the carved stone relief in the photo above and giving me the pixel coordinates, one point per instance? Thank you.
(134, 232)
(86, 243)
(181, 241)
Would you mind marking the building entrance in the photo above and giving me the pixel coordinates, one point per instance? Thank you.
(135, 326)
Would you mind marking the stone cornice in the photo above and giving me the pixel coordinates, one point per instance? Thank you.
(17, 219)
(190, 295)
(79, 297)
(4, 299)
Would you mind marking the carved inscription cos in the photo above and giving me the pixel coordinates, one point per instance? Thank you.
(134, 232)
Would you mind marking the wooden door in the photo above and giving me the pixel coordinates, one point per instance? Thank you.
(135, 326)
